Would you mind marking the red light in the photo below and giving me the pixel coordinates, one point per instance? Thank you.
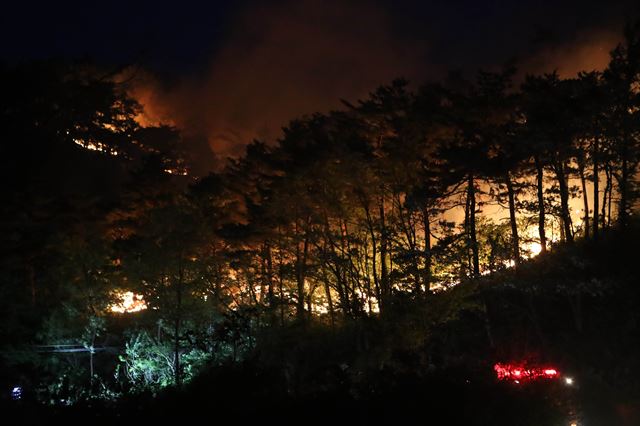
(518, 372)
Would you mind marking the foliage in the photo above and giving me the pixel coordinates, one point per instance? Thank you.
(147, 363)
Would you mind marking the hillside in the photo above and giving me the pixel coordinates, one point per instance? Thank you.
(574, 308)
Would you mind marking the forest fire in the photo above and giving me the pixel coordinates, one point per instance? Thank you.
(519, 373)
(261, 220)
(128, 302)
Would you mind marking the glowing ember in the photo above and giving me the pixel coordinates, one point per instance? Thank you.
(519, 372)
(128, 302)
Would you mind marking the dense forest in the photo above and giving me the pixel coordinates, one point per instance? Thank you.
(421, 230)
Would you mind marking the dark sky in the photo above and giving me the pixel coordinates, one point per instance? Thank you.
(230, 71)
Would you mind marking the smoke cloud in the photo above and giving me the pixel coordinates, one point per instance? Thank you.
(291, 58)
(279, 63)
(588, 51)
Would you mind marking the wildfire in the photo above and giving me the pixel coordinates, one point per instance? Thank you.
(128, 302)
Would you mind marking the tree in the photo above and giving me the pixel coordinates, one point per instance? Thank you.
(548, 108)
(161, 261)
(622, 81)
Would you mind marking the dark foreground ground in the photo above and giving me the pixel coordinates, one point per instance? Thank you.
(240, 395)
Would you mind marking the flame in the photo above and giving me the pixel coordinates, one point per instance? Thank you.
(534, 248)
(94, 146)
(128, 302)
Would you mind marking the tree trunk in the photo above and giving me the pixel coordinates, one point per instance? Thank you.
(91, 368)
(384, 274)
(585, 197)
(351, 283)
(280, 288)
(336, 270)
(512, 220)
(610, 196)
(469, 256)
(409, 229)
(596, 195)
(327, 292)
(541, 212)
(605, 195)
(564, 200)
(343, 291)
(270, 290)
(312, 290)
(624, 196)
(472, 226)
(427, 250)
(374, 253)
(301, 258)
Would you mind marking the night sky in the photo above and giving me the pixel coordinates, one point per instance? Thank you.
(227, 72)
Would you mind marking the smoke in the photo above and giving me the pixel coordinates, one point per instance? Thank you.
(290, 58)
(587, 51)
(278, 63)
